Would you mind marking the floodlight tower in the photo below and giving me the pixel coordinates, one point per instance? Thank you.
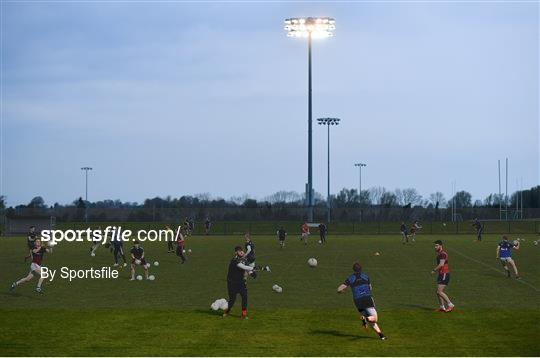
(328, 122)
(360, 165)
(310, 28)
(86, 169)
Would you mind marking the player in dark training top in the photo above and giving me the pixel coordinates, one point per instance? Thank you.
(479, 228)
(362, 298)
(443, 277)
(404, 233)
(236, 283)
(118, 250)
(35, 267)
(137, 258)
(281, 234)
(323, 229)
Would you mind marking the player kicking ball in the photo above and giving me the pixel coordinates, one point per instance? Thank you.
(504, 253)
(363, 300)
(137, 258)
(35, 267)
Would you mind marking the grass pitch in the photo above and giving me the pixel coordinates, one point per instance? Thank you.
(170, 316)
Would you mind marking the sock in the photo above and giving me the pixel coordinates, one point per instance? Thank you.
(244, 312)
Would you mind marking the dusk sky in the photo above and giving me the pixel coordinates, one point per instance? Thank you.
(184, 98)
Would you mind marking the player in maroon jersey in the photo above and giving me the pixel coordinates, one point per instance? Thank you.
(35, 267)
(443, 277)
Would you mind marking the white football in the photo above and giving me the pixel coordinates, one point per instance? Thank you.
(93, 254)
(139, 277)
(223, 305)
(156, 263)
(151, 277)
(312, 262)
(279, 289)
(189, 250)
(214, 306)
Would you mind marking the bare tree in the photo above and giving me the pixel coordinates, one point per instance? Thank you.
(437, 199)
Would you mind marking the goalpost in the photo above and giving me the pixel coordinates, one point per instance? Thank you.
(20, 225)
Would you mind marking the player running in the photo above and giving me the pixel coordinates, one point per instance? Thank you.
(180, 243)
(236, 283)
(504, 253)
(30, 240)
(323, 230)
(137, 258)
(35, 267)
(281, 234)
(363, 300)
(305, 233)
(414, 228)
(479, 228)
(404, 234)
(443, 277)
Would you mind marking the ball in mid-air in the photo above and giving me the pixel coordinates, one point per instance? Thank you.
(312, 262)
(156, 263)
(139, 277)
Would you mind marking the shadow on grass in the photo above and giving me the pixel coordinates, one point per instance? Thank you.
(335, 333)
(423, 308)
(210, 313)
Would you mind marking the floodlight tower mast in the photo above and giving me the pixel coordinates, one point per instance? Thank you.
(310, 28)
(86, 169)
(328, 122)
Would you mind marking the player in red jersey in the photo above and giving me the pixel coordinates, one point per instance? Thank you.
(305, 233)
(443, 277)
(414, 228)
(35, 267)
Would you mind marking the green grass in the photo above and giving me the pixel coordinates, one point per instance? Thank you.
(495, 316)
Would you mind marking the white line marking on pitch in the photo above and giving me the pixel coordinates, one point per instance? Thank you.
(493, 268)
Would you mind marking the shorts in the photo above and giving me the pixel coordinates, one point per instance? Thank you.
(143, 262)
(35, 268)
(507, 259)
(443, 278)
(305, 235)
(366, 306)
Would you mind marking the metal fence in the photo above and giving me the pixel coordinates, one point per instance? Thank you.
(372, 214)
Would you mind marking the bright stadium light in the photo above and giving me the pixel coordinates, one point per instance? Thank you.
(328, 122)
(310, 28)
(317, 27)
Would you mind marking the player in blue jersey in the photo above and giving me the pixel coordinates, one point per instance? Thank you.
(504, 253)
(363, 300)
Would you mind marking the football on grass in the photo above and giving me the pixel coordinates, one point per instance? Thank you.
(312, 262)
